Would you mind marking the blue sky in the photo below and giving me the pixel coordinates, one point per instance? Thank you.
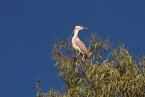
(28, 29)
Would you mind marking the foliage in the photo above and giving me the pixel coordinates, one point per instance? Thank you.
(109, 72)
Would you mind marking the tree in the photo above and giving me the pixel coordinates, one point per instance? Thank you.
(109, 72)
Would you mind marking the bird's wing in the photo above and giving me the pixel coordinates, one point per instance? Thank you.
(81, 45)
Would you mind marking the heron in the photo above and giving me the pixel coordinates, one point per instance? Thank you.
(77, 44)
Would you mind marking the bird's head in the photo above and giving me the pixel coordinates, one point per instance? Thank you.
(80, 27)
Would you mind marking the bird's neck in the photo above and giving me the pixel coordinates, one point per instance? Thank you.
(76, 33)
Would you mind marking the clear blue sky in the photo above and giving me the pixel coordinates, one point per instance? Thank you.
(28, 29)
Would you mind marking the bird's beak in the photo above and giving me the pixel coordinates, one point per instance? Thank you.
(85, 27)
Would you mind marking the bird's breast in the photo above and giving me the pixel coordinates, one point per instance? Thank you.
(74, 43)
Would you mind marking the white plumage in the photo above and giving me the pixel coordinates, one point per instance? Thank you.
(77, 44)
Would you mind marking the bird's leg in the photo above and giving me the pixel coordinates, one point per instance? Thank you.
(78, 54)
(83, 57)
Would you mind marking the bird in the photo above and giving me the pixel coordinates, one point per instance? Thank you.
(77, 44)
